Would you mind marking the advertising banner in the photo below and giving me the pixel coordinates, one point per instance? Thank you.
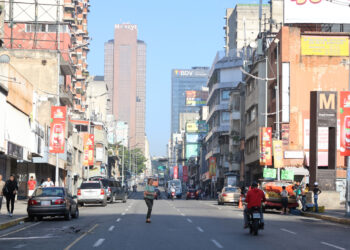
(287, 175)
(185, 173)
(277, 153)
(176, 172)
(345, 123)
(196, 98)
(89, 149)
(270, 173)
(316, 11)
(57, 129)
(266, 146)
(324, 46)
(212, 167)
(191, 127)
(191, 150)
(192, 138)
(202, 127)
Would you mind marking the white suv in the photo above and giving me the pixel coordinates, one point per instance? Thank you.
(92, 192)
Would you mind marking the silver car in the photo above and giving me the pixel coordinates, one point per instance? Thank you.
(92, 192)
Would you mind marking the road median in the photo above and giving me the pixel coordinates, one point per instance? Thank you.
(335, 219)
(13, 222)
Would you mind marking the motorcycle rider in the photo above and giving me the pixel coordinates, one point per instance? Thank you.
(172, 190)
(254, 198)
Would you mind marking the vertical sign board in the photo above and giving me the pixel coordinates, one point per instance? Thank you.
(176, 172)
(89, 143)
(58, 128)
(277, 153)
(323, 113)
(266, 146)
(185, 174)
(212, 167)
(345, 123)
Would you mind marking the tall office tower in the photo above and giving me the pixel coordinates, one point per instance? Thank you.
(109, 73)
(188, 93)
(128, 87)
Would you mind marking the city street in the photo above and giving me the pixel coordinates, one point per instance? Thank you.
(178, 224)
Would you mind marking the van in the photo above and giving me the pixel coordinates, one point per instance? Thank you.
(178, 188)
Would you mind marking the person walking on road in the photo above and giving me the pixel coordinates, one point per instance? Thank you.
(303, 196)
(2, 185)
(10, 190)
(48, 183)
(316, 192)
(149, 195)
(31, 186)
(284, 196)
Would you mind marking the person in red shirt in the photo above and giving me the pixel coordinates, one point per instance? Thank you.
(31, 186)
(254, 198)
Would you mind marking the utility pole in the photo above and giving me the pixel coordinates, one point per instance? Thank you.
(278, 99)
(57, 183)
(123, 164)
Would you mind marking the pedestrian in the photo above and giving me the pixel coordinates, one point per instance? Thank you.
(303, 196)
(149, 195)
(10, 190)
(48, 183)
(2, 185)
(316, 192)
(31, 186)
(284, 197)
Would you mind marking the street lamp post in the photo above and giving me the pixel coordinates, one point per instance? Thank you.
(277, 98)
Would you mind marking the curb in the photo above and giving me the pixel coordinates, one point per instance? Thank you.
(339, 220)
(13, 223)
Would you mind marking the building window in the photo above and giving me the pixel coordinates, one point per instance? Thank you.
(225, 116)
(225, 94)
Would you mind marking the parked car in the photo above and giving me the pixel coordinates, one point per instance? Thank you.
(229, 195)
(192, 194)
(92, 192)
(113, 189)
(52, 201)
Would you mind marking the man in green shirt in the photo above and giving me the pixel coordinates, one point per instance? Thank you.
(149, 197)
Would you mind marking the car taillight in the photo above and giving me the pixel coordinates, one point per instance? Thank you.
(102, 191)
(224, 194)
(32, 202)
(79, 192)
(109, 189)
(60, 201)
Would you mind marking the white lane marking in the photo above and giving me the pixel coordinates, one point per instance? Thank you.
(331, 245)
(189, 220)
(123, 214)
(183, 214)
(111, 228)
(200, 229)
(99, 242)
(118, 220)
(27, 238)
(217, 244)
(288, 231)
(19, 246)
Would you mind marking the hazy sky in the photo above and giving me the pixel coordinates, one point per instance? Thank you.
(179, 34)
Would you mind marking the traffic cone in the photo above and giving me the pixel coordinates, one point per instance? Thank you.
(240, 205)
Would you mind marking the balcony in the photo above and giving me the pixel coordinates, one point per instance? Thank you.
(66, 95)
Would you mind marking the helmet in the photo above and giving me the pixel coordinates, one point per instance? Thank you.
(254, 184)
(316, 184)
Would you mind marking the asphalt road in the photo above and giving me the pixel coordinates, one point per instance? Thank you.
(177, 224)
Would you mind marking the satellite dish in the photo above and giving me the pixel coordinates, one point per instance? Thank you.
(4, 58)
(253, 45)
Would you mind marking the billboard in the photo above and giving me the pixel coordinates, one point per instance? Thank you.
(89, 144)
(270, 173)
(212, 167)
(345, 123)
(196, 98)
(277, 153)
(287, 175)
(266, 146)
(57, 129)
(191, 150)
(176, 172)
(202, 127)
(185, 173)
(316, 11)
(191, 127)
(324, 46)
(192, 138)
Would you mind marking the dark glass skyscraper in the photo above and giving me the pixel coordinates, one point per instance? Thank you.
(186, 86)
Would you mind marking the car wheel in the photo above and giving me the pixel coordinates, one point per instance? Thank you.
(76, 214)
(124, 200)
(104, 203)
(111, 199)
(31, 217)
(68, 215)
(81, 204)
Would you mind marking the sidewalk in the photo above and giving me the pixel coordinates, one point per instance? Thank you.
(333, 215)
(19, 214)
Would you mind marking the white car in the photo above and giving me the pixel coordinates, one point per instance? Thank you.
(92, 192)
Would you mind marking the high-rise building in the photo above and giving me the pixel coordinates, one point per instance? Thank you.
(125, 75)
(188, 93)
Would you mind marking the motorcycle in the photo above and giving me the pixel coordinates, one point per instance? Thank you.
(172, 195)
(254, 219)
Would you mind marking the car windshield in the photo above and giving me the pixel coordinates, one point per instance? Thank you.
(45, 192)
(176, 183)
(90, 185)
(230, 189)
